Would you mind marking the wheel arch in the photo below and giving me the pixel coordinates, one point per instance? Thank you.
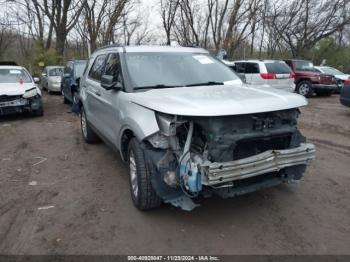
(126, 135)
(302, 80)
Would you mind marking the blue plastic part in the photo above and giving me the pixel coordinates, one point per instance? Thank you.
(193, 181)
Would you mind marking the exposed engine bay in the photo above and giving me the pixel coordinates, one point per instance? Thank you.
(225, 155)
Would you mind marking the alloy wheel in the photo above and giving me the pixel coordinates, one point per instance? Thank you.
(133, 174)
(83, 124)
(304, 89)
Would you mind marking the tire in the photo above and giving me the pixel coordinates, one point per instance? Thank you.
(39, 112)
(88, 134)
(323, 92)
(75, 97)
(304, 88)
(143, 195)
(65, 100)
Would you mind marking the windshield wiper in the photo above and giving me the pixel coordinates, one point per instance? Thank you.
(209, 83)
(154, 86)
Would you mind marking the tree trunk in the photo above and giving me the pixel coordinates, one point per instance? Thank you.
(49, 37)
(60, 43)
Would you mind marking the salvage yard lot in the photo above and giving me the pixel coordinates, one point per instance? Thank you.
(59, 195)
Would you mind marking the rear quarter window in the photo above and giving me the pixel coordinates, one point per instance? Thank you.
(252, 68)
(278, 68)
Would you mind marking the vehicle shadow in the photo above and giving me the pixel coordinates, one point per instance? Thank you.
(15, 117)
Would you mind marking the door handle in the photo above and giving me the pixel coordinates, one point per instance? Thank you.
(97, 93)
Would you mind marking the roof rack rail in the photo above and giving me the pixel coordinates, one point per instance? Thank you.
(191, 45)
(108, 46)
(8, 63)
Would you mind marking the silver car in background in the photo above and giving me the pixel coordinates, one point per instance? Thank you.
(273, 73)
(51, 78)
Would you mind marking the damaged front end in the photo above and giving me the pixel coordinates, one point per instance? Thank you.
(225, 155)
(18, 104)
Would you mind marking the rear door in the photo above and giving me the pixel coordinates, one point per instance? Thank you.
(240, 70)
(283, 75)
(252, 73)
(67, 79)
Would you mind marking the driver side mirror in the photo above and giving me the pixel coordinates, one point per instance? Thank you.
(36, 80)
(108, 83)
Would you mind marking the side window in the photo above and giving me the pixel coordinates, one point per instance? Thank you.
(113, 67)
(252, 68)
(289, 63)
(67, 68)
(240, 67)
(97, 68)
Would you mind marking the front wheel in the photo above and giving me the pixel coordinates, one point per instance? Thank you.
(65, 100)
(39, 111)
(304, 88)
(143, 195)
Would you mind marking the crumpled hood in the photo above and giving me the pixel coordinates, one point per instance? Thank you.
(14, 89)
(217, 100)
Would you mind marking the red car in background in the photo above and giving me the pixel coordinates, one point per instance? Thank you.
(308, 81)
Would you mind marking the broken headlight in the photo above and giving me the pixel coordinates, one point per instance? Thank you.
(30, 93)
(167, 124)
(158, 140)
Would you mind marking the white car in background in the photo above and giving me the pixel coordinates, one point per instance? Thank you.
(273, 73)
(51, 78)
(341, 78)
(19, 92)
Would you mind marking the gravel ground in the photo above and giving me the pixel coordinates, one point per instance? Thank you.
(61, 196)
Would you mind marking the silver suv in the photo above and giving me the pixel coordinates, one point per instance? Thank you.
(274, 73)
(187, 126)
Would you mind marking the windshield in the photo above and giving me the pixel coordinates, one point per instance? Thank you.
(176, 69)
(56, 71)
(277, 68)
(79, 69)
(304, 66)
(331, 71)
(14, 76)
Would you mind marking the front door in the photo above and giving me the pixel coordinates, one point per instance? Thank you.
(109, 99)
(94, 90)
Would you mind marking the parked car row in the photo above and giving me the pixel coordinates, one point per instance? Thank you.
(63, 79)
(293, 75)
(185, 123)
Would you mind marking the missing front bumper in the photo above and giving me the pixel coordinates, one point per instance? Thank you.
(266, 162)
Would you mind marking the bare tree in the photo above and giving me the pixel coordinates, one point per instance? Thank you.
(6, 35)
(63, 14)
(303, 23)
(94, 15)
(168, 13)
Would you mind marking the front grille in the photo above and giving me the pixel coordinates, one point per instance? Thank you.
(10, 110)
(328, 79)
(251, 147)
(5, 98)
